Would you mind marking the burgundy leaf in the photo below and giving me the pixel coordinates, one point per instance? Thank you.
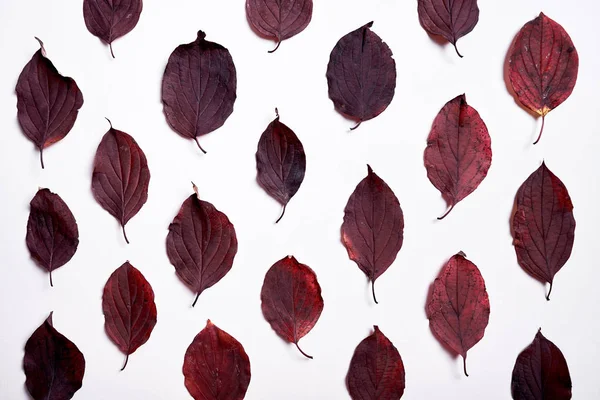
(279, 19)
(201, 244)
(129, 309)
(541, 372)
(459, 307)
(373, 227)
(459, 153)
(52, 234)
(111, 19)
(53, 365)
(199, 88)
(361, 75)
(542, 66)
(121, 176)
(47, 102)
(281, 162)
(291, 300)
(216, 366)
(543, 225)
(376, 370)
(451, 19)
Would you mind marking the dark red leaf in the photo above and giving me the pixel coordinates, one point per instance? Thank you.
(279, 19)
(373, 227)
(291, 299)
(52, 234)
(47, 102)
(201, 244)
(199, 88)
(129, 309)
(451, 19)
(111, 19)
(121, 176)
(459, 153)
(53, 365)
(361, 75)
(459, 307)
(216, 366)
(541, 372)
(281, 162)
(543, 225)
(542, 66)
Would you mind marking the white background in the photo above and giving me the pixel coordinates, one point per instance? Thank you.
(127, 90)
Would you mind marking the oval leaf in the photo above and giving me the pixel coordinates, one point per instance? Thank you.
(53, 365)
(199, 88)
(361, 75)
(459, 153)
(542, 66)
(129, 309)
(52, 233)
(201, 244)
(543, 225)
(121, 176)
(216, 366)
(373, 228)
(280, 162)
(47, 102)
(459, 307)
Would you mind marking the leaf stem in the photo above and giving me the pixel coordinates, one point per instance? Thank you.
(126, 361)
(447, 212)
(124, 234)
(549, 291)
(282, 213)
(111, 50)
(51, 284)
(356, 126)
(42, 157)
(465, 365)
(196, 300)
(276, 47)
(541, 130)
(373, 290)
(457, 52)
(200, 147)
(303, 353)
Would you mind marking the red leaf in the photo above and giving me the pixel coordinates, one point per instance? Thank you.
(279, 19)
(291, 299)
(129, 309)
(199, 88)
(53, 365)
(459, 307)
(109, 19)
(542, 66)
(47, 102)
(373, 227)
(449, 19)
(541, 372)
(459, 153)
(543, 225)
(361, 75)
(201, 244)
(376, 370)
(281, 162)
(52, 234)
(216, 367)
(121, 176)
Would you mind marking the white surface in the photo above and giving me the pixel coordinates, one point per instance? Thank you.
(127, 90)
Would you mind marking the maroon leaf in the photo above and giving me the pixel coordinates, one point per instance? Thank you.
(543, 225)
(52, 234)
(291, 300)
(129, 309)
(199, 88)
(373, 227)
(279, 19)
(542, 66)
(201, 244)
(451, 19)
(47, 102)
(111, 19)
(459, 307)
(121, 176)
(541, 372)
(376, 370)
(216, 366)
(53, 365)
(281, 162)
(361, 75)
(459, 153)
